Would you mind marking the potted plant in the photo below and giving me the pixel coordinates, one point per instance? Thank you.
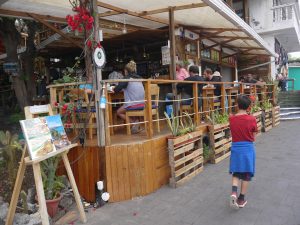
(220, 137)
(185, 149)
(267, 116)
(52, 183)
(257, 113)
(9, 145)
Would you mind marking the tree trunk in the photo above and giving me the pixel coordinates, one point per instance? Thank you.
(11, 39)
(28, 59)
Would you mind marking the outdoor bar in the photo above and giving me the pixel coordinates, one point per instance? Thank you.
(157, 35)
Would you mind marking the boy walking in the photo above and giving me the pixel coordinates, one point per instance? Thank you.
(242, 160)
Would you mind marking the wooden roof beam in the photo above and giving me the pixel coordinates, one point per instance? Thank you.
(176, 8)
(108, 13)
(227, 56)
(236, 37)
(120, 10)
(50, 26)
(221, 43)
(24, 15)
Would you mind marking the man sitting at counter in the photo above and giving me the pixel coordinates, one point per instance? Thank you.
(213, 77)
(250, 80)
(188, 88)
(134, 94)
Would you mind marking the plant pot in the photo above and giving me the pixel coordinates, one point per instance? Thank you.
(52, 206)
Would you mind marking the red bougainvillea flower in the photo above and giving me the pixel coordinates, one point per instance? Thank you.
(99, 45)
(55, 104)
(252, 98)
(65, 106)
(89, 43)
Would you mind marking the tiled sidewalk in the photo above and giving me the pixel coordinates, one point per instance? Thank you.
(273, 199)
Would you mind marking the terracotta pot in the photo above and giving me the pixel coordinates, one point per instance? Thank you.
(52, 206)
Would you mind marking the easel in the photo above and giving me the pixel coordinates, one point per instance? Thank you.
(25, 160)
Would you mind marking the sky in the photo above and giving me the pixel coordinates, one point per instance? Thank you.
(294, 54)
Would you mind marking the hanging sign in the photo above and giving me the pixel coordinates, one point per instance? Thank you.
(165, 55)
(11, 67)
(99, 57)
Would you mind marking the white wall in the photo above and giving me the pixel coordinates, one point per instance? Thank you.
(260, 11)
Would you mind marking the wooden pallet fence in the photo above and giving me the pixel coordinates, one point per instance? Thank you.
(257, 116)
(185, 157)
(220, 141)
(276, 116)
(267, 120)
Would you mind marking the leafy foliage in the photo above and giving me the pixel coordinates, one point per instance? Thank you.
(69, 75)
(266, 105)
(255, 108)
(206, 151)
(181, 126)
(53, 184)
(9, 146)
(217, 118)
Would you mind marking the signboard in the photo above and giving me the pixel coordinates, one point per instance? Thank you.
(165, 55)
(11, 67)
(99, 57)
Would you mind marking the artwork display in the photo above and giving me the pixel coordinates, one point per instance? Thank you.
(44, 135)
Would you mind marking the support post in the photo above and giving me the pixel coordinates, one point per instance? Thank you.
(97, 84)
(148, 107)
(173, 55)
(195, 103)
(223, 93)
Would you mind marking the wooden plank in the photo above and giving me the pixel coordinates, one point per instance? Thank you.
(120, 176)
(184, 149)
(114, 174)
(131, 13)
(188, 177)
(132, 155)
(176, 8)
(17, 189)
(127, 186)
(192, 140)
(39, 19)
(142, 174)
(186, 137)
(148, 109)
(149, 181)
(222, 157)
(189, 166)
(219, 135)
(74, 188)
(40, 193)
(186, 158)
(218, 127)
(221, 142)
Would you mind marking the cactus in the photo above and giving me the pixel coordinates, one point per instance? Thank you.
(53, 184)
(10, 144)
(180, 126)
(23, 196)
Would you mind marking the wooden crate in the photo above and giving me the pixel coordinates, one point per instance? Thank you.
(267, 120)
(276, 116)
(257, 116)
(220, 141)
(185, 157)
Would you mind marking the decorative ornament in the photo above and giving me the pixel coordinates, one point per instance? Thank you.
(99, 57)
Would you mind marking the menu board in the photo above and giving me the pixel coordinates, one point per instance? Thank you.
(165, 55)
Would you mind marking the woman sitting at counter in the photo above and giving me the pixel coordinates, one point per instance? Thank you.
(134, 94)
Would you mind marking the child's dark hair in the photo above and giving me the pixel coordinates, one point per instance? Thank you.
(243, 102)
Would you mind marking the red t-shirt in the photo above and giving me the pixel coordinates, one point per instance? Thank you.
(242, 128)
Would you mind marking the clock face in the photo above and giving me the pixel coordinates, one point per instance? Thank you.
(99, 57)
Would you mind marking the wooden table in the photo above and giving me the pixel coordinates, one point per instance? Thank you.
(111, 96)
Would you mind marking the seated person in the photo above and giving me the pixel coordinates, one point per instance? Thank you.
(134, 94)
(181, 72)
(115, 75)
(188, 88)
(250, 80)
(213, 77)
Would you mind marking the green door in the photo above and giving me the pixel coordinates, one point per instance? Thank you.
(294, 73)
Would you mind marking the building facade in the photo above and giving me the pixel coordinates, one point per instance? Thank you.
(276, 21)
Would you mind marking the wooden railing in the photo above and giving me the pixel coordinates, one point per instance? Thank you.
(225, 103)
